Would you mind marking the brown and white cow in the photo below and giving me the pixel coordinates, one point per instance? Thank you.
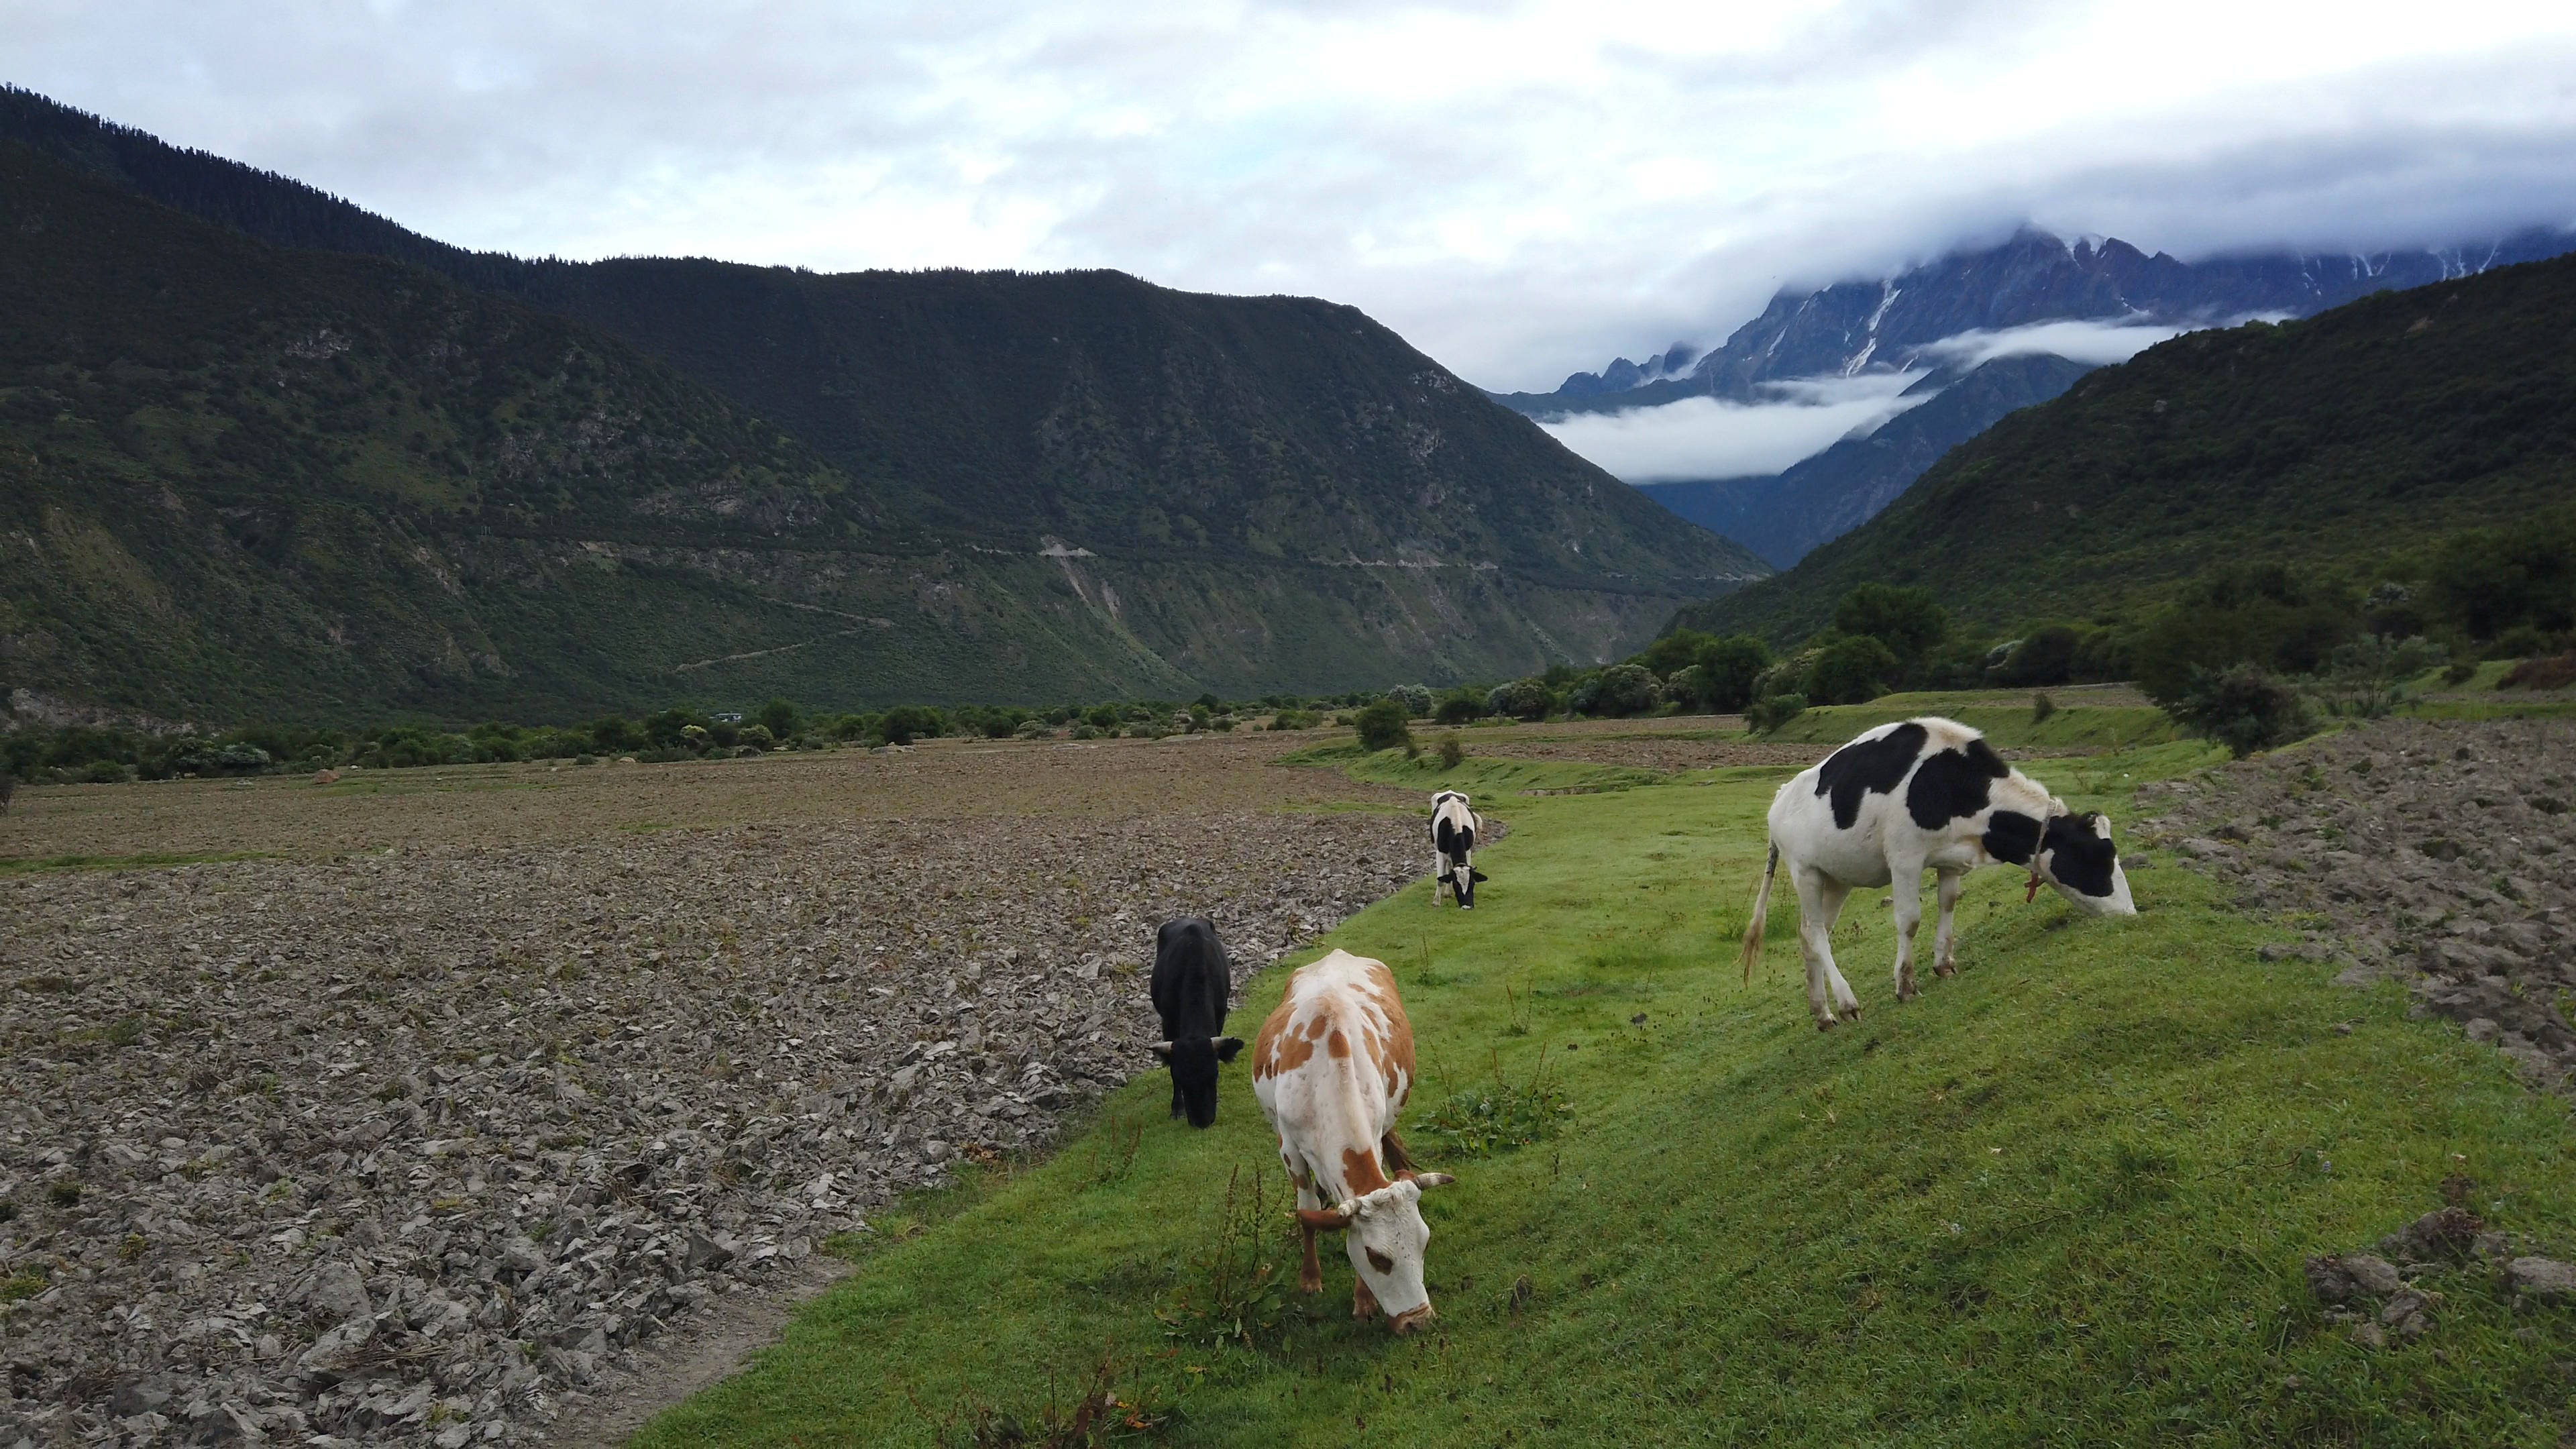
(1920, 794)
(1332, 1068)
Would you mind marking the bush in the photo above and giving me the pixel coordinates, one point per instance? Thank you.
(2460, 672)
(779, 717)
(2548, 671)
(905, 723)
(1415, 698)
(1521, 699)
(1295, 719)
(1619, 691)
(1452, 751)
(2259, 614)
(1851, 670)
(2244, 707)
(2041, 707)
(1459, 706)
(1767, 715)
(105, 772)
(1382, 726)
(2046, 655)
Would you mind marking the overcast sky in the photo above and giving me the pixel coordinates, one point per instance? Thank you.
(1520, 189)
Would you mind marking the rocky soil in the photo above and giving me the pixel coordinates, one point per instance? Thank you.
(2438, 852)
(406, 1146)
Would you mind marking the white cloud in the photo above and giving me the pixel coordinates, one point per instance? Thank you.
(1704, 437)
(2100, 343)
(1521, 187)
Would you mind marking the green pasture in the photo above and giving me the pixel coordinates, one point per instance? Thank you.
(2061, 1199)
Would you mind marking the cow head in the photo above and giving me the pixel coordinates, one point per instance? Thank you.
(1386, 1237)
(1194, 1060)
(2076, 856)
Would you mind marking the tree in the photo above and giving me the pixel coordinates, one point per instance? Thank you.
(1909, 621)
(1521, 699)
(1619, 691)
(780, 719)
(2244, 707)
(1851, 670)
(1728, 668)
(904, 723)
(1675, 651)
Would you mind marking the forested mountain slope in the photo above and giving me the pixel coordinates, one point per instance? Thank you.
(2337, 440)
(1014, 486)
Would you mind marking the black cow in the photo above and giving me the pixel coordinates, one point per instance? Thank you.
(1191, 979)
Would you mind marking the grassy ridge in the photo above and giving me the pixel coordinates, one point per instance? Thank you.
(2063, 1198)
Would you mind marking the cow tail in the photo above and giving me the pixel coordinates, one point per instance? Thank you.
(1761, 908)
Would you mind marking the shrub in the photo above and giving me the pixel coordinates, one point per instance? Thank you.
(1767, 715)
(1619, 691)
(2548, 671)
(1102, 717)
(1415, 698)
(779, 717)
(1521, 699)
(1851, 670)
(1382, 726)
(1452, 751)
(2258, 613)
(905, 723)
(1459, 706)
(1499, 1118)
(2046, 655)
(1295, 719)
(2244, 707)
(2041, 707)
(756, 736)
(105, 772)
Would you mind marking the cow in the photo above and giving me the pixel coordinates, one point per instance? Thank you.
(8, 788)
(1191, 979)
(1332, 1067)
(1903, 797)
(1453, 849)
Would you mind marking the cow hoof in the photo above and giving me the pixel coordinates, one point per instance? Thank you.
(1945, 972)
(1905, 993)
(1824, 1023)
(1310, 1285)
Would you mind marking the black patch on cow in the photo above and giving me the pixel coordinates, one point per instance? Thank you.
(2011, 836)
(1452, 839)
(2078, 859)
(1866, 766)
(1191, 978)
(1952, 784)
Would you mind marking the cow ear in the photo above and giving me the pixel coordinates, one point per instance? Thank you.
(1161, 1049)
(1227, 1046)
(1328, 1220)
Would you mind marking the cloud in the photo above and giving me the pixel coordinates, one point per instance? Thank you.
(1521, 187)
(2099, 343)
(1713, 438)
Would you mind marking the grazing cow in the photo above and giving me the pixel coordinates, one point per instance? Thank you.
(1453, 849)
(1191, 979)
(8, 788)
(1332, 1067)
(1903, 797)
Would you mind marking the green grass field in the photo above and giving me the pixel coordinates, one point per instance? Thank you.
(2060, 1199)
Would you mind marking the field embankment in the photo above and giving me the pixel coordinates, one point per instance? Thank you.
(2065, 1197)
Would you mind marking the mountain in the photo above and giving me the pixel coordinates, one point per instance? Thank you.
(848, 489)
(2343, 439)
(1782, 516)
(1895, 322)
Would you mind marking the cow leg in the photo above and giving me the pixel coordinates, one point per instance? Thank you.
(1439, 873)
(1944, 934)
(1906, 885)
(1363, 1302)
(1820, 901)
(1176, 1094)
(1310, 1271)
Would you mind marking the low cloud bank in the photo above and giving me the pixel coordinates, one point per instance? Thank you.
(2099, 343)
(1704, 437)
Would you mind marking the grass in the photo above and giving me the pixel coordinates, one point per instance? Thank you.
(2064, 1198)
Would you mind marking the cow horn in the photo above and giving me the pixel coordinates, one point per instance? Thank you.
(1429, 1180)
(1161, 1049)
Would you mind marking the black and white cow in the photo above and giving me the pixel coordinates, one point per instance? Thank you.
(1924, 793)
(1191, 979)
(1453, 848)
